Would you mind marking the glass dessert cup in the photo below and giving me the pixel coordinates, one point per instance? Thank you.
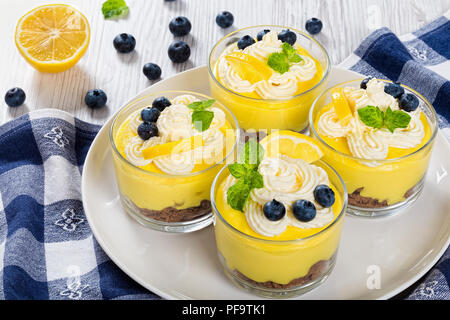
(264, 114)
(378, 187)
(164, 202)
(278, 268)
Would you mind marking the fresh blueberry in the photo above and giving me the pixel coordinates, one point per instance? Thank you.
(313, 25)
(274, 210)
(363, 84)
(95, 98)
(408, 102)
(15, 97)
(180, 26)
(304, 210)
(146, 130)
(261, 34)
(245, 41)
(224, 19)
(124, 43)
(179, 51)
(161, 103)
(324, 195)
(152, 71)
(287, 36)
(394, 89)
(150, 114)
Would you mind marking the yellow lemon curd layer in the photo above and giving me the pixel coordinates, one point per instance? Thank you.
(262, 260)
(150, 188)
(253, 112)
(389, 181)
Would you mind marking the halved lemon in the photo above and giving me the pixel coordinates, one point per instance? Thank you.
(341, 106)
(173, 147)
(249, 67)
(52, 38)
(291, 144)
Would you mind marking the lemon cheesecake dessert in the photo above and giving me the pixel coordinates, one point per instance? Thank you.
(278, 215)
(268, 76)
(379, 136)
(167, 149)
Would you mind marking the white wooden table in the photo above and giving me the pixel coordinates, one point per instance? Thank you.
(346, 23)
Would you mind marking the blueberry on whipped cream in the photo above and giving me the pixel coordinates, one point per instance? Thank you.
(161, 103)
(245, 41)
(304, 210)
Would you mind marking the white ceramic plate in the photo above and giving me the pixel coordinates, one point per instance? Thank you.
(398, 249)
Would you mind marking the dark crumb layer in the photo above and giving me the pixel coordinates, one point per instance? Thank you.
(172, 214)
(356, 199)
(314, 272)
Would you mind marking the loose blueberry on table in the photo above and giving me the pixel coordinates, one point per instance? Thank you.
(394, 89)
(95, 98)
(245, 41)
(313, 25)
(261, 34)
(287, 36)
(150, 114)
(124, 43)
(324, 195)
(15, 97)
(179, 51)
(161, 103)
(304, 210)
(146, 130)
(408, 102)
(152, 71)
(180, 26)
(274, 210)
(224, 19)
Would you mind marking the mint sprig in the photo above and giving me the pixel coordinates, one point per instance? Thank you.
(247, 175)
(374, 117)
(202, 118)
(114, 9)
(280, 61)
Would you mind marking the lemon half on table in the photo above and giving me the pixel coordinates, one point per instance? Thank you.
(52, 38)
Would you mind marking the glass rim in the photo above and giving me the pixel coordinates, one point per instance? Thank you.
(166, 175)
(382, 161)
(279, 242)
(321, 47)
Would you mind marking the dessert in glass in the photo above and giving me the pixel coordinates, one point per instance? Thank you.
(278, 221)
(167, 148)
(268, 76)
(379, 136)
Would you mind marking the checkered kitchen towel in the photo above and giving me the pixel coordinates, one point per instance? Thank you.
(47, 250)
(420, 60)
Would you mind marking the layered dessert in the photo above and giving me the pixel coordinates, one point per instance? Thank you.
(268, 79)
(377, 135)
(168, 153)
(279, 217)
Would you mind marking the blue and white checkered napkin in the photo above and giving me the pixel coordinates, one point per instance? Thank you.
(47, 250)
(420, 60)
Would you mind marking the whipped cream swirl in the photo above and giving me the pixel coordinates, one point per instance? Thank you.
(278, 85)
(366, 142)
(174, 124)
(285, 180)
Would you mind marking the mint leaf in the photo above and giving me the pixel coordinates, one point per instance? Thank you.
(201, 105)
(278, 61)
(237, 195)
(114, 9)
(237, 170)
(371, 116)
(291, 53)
(202, 119)
(252, 154)
(254, 179)
(396, 119)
